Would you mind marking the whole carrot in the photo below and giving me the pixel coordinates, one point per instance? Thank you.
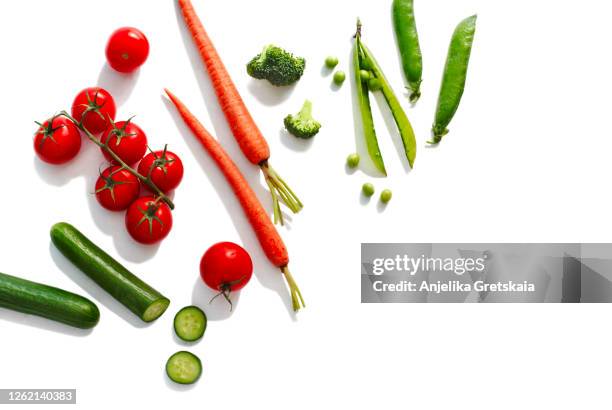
(249, 138)
(269, 239)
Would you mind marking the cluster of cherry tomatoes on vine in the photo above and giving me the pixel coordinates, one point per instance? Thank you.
(131, 169)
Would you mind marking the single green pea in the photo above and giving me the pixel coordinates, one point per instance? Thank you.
(365, 64)
(353, 160)
(385, 196)
(368, 189)
(339, 78)
(331, 62)
(374, 84)
(365, 75)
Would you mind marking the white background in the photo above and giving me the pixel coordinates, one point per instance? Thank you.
(527, 159)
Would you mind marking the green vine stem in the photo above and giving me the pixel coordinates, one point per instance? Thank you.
(280, 191)
(145, 180)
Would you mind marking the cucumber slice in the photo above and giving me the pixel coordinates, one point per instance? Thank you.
(144, 301)
(190, 323)
(184, 368)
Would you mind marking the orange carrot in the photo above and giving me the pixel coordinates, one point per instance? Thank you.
(269, 239)
(249, 137)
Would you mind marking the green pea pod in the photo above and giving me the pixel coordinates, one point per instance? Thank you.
(401, 119)
(366, 111)
(409, 47)
(453, 80)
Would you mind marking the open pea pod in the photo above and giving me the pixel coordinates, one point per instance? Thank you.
(365, 110)
(401, 119)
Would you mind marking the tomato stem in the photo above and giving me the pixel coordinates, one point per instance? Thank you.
(225, 291)
(145, 180)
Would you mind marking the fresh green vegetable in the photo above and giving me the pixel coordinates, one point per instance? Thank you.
(401, 120)
(277, 66)
(408, 43)
(190, 323)
(365, 75)
(455, 75)
(331, 62)
(184, 368)
(365, 109)
(385, 196)
(339, 78)
(46, 301)
(353, 160)
(302, 124)
(368, 189)
(147, 303)
(374, 84)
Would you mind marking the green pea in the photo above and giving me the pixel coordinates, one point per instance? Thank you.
(455, 75)
(365, 75)
(339, 78)
(374, 84)
(331, 62)
(409, 47)
(368, 189)
(353, 160)
(385, 196)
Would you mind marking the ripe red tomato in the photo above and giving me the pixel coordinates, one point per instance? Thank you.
(116, 188)
(125, 139)
(127, 49)
(57, 140)
(95, 108)
(166, 169)
(226, 267)
(148, 220)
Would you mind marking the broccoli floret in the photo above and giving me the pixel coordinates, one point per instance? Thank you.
(302, 125)
(277, 66)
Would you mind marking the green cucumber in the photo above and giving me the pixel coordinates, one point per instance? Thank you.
(184, 368)
(48, 302)
(190, 323)
(144, 301)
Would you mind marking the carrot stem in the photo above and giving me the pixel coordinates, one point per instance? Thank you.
(279, 188)
(296, 296)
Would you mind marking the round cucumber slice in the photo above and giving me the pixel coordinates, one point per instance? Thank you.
(184, 368)
(190, 323)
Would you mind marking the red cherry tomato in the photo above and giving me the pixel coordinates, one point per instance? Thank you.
(226, 267)
(125, 139)
(166, 169)
(148, 221)
(127, 49)
(57, 140)
(95, 108)
(116, 188)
